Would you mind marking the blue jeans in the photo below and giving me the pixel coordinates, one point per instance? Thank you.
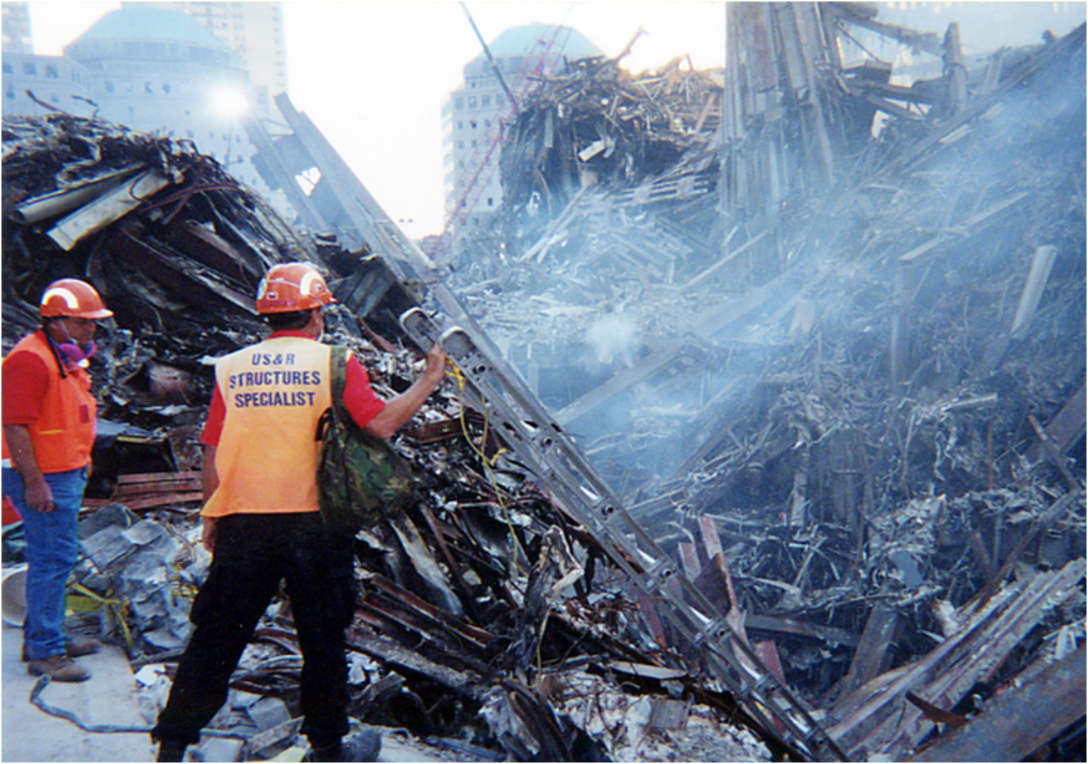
(52, 548)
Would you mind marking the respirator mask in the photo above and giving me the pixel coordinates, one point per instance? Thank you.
(73, 353)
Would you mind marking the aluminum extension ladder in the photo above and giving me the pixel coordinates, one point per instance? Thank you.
(537, 441)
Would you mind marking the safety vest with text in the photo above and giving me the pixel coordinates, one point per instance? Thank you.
(274, 394)
(63, 435)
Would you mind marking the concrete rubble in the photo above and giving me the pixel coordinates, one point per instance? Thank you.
(820, 327)
(142, 559)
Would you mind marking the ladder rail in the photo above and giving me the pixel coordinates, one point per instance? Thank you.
(577, 489)
(549, 453)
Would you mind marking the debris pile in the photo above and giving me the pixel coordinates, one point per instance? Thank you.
(597, 124)
(868, 373)
(463, 617)
(822, 331)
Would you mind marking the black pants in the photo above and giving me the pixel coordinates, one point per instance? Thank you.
(253, 553)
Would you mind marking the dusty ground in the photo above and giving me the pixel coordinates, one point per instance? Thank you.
(108, 697)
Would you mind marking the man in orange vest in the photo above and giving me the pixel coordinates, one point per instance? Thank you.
(262, 522)
(49, 426)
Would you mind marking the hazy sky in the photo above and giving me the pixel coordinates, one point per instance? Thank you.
(373, 75)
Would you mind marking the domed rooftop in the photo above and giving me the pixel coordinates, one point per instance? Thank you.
(155, 36)
(518, 41)
(136, 23)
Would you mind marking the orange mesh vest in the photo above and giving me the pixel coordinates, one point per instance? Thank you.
(266, 460)
(63, 436)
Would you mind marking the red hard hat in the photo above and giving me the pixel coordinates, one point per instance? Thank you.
(72, 297)
(288, 287)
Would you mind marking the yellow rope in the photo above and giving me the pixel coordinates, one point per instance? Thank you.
(479, 451)
(119, 608)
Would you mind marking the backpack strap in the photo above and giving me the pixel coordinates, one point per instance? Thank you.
(338, 371)
(338, 374)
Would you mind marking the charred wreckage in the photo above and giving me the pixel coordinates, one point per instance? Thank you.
(766, 435)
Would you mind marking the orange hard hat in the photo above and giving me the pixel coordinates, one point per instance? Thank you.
(288, 287)
(72, 297)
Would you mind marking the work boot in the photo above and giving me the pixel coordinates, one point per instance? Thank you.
(79, 646)
(59, 668)
(364, 745)
(171, 750)
(74, 647)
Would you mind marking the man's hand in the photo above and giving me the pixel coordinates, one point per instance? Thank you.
(401, 408)
(436, 364)
(207, 534)
(39, 496)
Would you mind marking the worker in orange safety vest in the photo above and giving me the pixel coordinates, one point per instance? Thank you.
(261, 517)
(49, 417)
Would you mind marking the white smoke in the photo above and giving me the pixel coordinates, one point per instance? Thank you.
(613, 338)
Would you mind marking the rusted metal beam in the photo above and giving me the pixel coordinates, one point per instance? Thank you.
(712, 543)
(164, 268)
(873, 655)
(1066, 428)
(690, 560)
(816, 631)
(1021, 720)
(214, 251)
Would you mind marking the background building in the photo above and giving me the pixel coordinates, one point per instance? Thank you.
(474, 114)
(16, 28)
(35, 84)
(39, 84)
(253, 30)
(150, 69)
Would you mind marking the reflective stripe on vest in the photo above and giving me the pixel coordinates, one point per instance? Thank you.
(63, 434)
(274, 394)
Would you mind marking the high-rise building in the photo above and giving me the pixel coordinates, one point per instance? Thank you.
(253, 30)
(149, 69)
(38, 84)
(160, 71)
(16, 28)
(473, 116)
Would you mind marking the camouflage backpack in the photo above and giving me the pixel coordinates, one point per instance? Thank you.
(360, 478)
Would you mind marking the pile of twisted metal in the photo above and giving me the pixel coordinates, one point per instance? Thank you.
(834, 368)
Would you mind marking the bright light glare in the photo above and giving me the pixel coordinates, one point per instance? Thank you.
(229, 102)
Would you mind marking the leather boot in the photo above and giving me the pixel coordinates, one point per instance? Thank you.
(59, 668)
(74, 647)
(364, 745)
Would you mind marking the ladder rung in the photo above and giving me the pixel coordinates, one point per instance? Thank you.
(543, 446)
(460, 347)
(420, 327)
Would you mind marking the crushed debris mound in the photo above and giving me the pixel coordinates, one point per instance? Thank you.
(821, 327)
(460, 624)
(849, 332)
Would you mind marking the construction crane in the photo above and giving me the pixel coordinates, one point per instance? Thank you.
(480, 165)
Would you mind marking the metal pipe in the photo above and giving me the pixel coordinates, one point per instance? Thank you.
(106, 209)
(58, 202)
